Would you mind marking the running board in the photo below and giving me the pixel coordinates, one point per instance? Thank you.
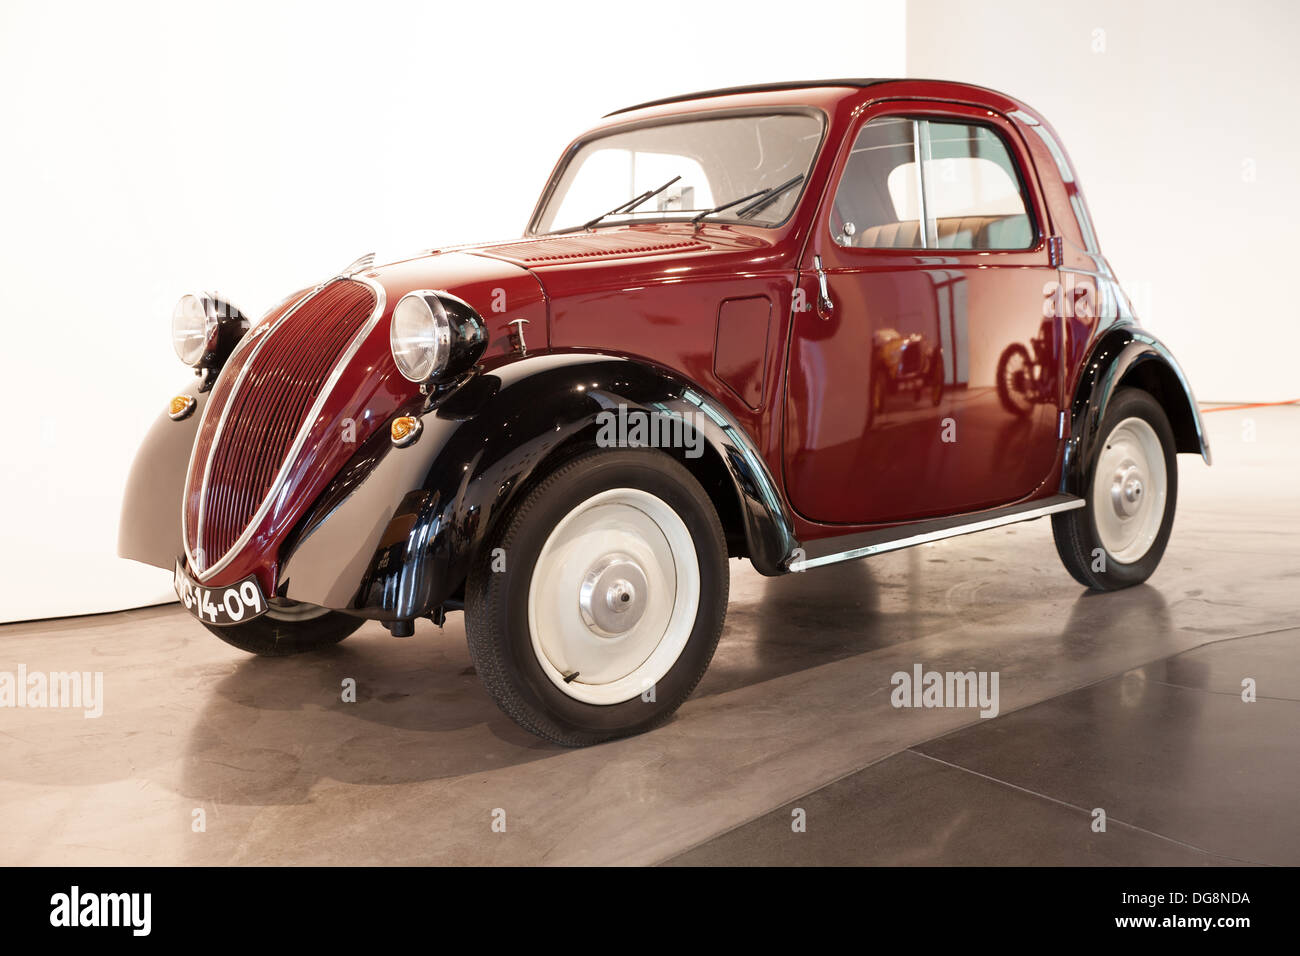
(867, 543)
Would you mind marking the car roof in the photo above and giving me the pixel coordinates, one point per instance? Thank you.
(753, 88)
(859, 82)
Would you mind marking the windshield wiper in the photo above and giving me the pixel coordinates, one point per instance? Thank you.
(773, 194)
(762, 198)
(631, 203)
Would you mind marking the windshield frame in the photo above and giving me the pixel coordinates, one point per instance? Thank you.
(675, 119)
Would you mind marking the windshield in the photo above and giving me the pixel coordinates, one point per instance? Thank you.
(624, 176)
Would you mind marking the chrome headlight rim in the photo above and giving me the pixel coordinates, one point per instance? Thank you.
(215, 327)
(195, 341)
(435, 336)
(419, 336)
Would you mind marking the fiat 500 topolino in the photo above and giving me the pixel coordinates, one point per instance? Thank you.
(798, 323)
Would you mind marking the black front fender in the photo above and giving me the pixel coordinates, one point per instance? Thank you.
(393, 536)
(1127, 356)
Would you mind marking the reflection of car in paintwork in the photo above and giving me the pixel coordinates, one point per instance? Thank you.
(785, 270)
(904, 365)
(1027, 376)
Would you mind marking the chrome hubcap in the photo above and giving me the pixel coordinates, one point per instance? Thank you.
(1126, 490)
(613, 596)
(1128, 494)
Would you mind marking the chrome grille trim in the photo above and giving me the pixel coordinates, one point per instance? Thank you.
(221, 426)
(299, 439)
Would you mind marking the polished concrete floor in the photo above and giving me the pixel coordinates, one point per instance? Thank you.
(1128, 703)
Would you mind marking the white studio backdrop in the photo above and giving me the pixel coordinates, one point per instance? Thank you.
(149, 149)
(1180, 118)
(155, 148)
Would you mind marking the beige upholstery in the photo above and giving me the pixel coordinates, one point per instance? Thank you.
(958, 232)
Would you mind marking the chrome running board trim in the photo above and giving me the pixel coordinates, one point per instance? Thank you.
(909, 535)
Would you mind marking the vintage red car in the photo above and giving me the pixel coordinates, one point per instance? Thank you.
(797, 323)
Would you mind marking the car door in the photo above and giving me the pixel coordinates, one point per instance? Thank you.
(932, 383)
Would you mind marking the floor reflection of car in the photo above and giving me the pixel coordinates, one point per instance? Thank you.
(904, 365)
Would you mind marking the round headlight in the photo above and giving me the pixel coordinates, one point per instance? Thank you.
(435, 335)
(205, 329)
(420, 336)
(194, 330)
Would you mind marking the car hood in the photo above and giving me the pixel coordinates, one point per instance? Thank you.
(647, 247)
(592, 246)
(286, 417)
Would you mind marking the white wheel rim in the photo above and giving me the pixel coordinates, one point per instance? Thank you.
(613, 596)
(1129, 489)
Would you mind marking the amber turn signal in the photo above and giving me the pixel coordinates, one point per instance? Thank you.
(181, 407)
(405, 429)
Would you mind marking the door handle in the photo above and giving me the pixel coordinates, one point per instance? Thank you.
(825, 305)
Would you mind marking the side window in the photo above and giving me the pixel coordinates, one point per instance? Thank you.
(924, 184)
(873, 207)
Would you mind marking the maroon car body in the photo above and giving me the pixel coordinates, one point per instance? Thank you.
(284, 466)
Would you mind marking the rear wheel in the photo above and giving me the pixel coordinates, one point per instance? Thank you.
(1119, 537)
(287, 628)
(604, 602)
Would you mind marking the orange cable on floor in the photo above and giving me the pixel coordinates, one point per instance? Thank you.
(1234, 408)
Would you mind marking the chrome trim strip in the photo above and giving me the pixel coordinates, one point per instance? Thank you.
(757, 470)
(225, 410)
(360, 264)
(301, 438)
(919, 158)
(915, 539)
(221, 423)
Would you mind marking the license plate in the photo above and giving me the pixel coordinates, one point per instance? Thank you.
(235, 604)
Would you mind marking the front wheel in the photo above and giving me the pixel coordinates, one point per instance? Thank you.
(597, 603)
(1118, 538)
(288, 628)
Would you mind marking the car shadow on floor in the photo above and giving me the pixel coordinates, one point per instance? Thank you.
(272, 728)
(781, 625)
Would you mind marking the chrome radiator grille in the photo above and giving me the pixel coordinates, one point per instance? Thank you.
(257, 412)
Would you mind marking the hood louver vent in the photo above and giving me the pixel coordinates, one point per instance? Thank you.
(601, 245)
